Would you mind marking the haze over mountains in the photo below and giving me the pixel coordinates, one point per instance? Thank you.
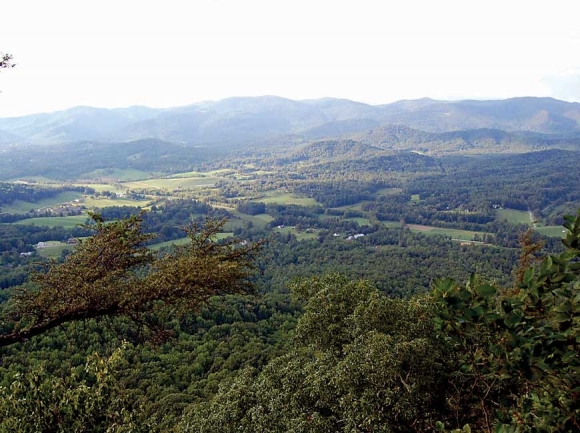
(259, 120)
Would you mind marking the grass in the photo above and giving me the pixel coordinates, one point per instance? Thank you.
(385, 192)
(360, 221)
(354, 206)
(184, 241)
(299, 235)
(415, 198)
(552, 231)
(67, 222)
(513, 216)
(391, 224)
(101, 202)
(19, 206)
(100, 187)
(259, 221)
(462, 235)
(53, 249)
(174, 183)
(287, 199)
(126, 174)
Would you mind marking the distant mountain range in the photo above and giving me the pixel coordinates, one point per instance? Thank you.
(263, 120)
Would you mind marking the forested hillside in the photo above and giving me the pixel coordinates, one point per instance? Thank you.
(308, 275)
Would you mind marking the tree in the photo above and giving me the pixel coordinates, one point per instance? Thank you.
(89, 401)
(362, 362)
(112, 274)
(6, 61)
(518, 368)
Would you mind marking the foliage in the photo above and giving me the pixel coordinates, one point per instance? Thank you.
(520, 362)
(112, 274)
(362, 362)
(6, 61)
(84, 401)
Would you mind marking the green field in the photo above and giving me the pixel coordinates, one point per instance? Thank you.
(100, 187)
(287, 199)
(360, 221)
(513, 216)
(185, 240)
(354, 206)
(174, 183)
(552, 231)
(101, 202)
(67, 222)
(462, 235)
(19, 206)
(385, 192)
(53, 249)
(299, 235)
(415, 198)
(259, 221)
(127, 174)
(392, 224)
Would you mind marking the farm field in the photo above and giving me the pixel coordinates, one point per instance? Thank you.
(53, 249)
(100, 187)
(287, 199)
(462, 235)
(553, 231)
(385, 192)
(185, 240)
(259, 221)
(122, 174)
(300, 235)
(19, 206)
(101, 202)
(360, 221)
(67, 222)
(173, 183)
(513, 216)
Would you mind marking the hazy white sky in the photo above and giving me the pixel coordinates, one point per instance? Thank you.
(116, 53)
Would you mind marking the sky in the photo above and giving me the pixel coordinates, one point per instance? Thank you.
(118, 53)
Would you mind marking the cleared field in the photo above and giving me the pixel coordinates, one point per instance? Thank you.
(19, 206)
(513, 216)
(391, 224)
(185, 240)
(360, 221)
(259, 220)
(287, 199)
(117, 173)
(68, 222)
(201, 174)
(415, 198)
(553, 231)
(104, 202)
(174, 183)
(53, 249)
(299, 235)
(463, 235)
(385, 192)
(100, 187)
(354, 206)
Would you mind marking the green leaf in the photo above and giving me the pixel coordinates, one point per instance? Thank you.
(486, 291)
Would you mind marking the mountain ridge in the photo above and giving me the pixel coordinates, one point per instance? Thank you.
(241, 121)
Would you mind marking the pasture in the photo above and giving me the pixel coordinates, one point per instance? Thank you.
(120, 174)
(455, 234)
(513, 216)
(552, 231)
(20, 207)
(66, 222)
(287, 198)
